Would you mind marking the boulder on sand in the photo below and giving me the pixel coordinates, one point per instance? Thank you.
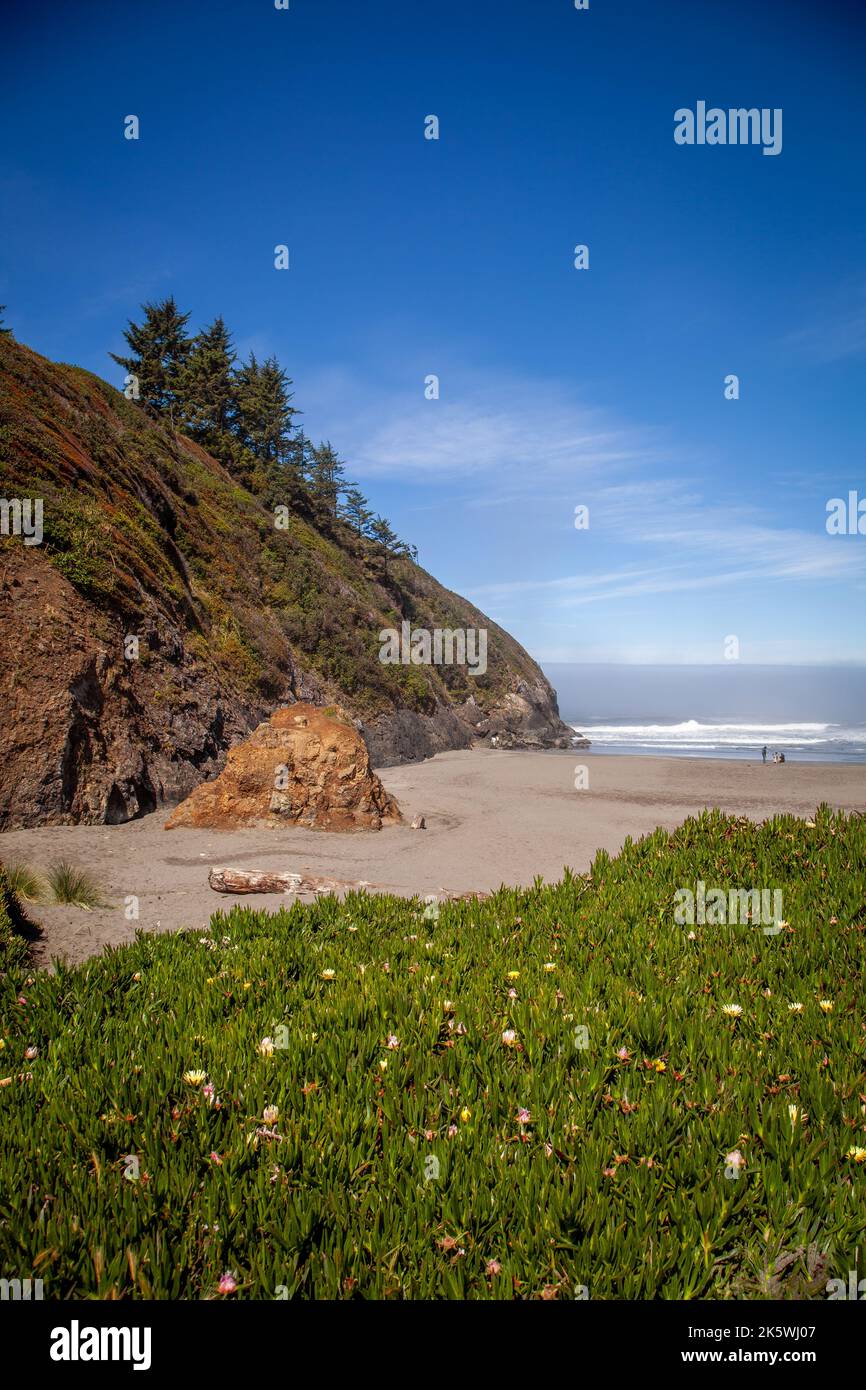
(304, 766)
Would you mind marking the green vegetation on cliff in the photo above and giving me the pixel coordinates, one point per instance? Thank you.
(249, 559)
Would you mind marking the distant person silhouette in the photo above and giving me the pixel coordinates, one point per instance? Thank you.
(764, 753)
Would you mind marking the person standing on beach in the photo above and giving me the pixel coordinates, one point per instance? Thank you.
(764, 753)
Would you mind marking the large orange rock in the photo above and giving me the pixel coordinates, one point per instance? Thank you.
(303, 767)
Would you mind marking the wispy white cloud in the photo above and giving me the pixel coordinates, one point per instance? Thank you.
(514, 430)
(714, 546)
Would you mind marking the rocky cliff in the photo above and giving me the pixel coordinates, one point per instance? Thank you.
(163, 615)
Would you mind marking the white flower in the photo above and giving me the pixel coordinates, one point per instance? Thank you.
(732, 1010)
(795, 1008)
(509, 1037)
(266, 1047)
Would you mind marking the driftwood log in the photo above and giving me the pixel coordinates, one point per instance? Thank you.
(256, 881)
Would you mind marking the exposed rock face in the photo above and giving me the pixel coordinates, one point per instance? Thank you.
(87, 736)
(302, 767)
(526, 716)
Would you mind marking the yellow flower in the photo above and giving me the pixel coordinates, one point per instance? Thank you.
(660, 1065)
(194, 1078)
(826, 1005)
(328, 974)
(858, 1155)
(247, 984)
(465, 1114)
(549, 965)
(513, 975)
(383, 1064)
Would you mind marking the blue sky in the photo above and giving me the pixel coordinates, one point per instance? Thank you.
(454, 257)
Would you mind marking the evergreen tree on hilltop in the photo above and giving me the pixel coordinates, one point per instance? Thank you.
(3, 328)
(355, 511)
(326, 476)
(300, 452)
(207, 387)
(159, 348)
(264, 410)
(380, 531)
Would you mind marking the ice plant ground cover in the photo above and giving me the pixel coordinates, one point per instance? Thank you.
(613, 1103)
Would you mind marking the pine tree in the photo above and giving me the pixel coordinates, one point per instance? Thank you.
(326, 476)
(3, 328)
(299, 457)
(207, 387)
(159, 348)
(380, 531)
(355, 511)
(264, 410)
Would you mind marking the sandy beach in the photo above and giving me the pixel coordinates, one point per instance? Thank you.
(492, 818)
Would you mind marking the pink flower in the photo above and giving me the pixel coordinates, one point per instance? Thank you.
(624, 1055)
(215, 1158)
(31, 1052)
(228, 1283)
(492, 1267)
(452, 1130)
(524, 1116)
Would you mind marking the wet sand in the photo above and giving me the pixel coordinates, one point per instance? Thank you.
(492, 817)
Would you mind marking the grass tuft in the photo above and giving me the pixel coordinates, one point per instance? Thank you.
(74, 886)
(27, 885)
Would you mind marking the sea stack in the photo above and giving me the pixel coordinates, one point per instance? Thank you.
(303, 766)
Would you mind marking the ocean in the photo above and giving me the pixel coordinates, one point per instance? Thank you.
(811, 714)
(692, 738)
